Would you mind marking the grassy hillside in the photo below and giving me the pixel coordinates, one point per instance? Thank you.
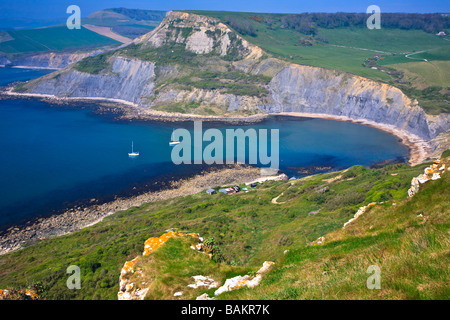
(353, 49)
(409, 242)
(51, 39)
(250, 228)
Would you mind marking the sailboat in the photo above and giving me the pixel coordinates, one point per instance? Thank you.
(173, 143)
(133, 154)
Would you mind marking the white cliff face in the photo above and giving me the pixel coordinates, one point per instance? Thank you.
(53, 60)
(315, 90)
(200, 43)
(128, 79)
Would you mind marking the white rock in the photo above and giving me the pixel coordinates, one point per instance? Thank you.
(244, 281)
(202, 281)
(436, 176)
(204, 297)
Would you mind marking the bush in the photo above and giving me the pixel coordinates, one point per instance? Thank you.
(242, 26)
(93, 65)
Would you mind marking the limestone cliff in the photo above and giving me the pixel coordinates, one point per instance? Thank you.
(128, 79)
(315, 90)
(52, 60)
(166, 66)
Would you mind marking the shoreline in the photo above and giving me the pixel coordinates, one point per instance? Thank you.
(132, 111)
(72, 220)
(419, 149)
(29, 67)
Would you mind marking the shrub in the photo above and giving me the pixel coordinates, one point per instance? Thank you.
(93, 65)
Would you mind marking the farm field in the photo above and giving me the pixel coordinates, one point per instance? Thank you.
(52, 39)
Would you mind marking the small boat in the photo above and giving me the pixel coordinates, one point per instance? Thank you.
(133, 154)
(173, 143)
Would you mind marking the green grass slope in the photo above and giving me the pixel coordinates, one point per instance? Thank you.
(250, 229)
(409, 242)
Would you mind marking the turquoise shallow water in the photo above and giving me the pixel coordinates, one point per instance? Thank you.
(53, 156)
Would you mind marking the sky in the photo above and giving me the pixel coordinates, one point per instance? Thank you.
(54, 9)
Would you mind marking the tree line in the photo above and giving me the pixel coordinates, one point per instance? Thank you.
(309, 22)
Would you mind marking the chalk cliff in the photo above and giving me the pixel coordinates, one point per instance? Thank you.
(315, 90)
(129, 80)
(52, 60)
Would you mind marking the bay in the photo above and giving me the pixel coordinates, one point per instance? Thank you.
(53, 157)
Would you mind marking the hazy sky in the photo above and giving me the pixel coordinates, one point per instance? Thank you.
(49, 9)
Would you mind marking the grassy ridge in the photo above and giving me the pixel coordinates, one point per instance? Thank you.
(248, 227)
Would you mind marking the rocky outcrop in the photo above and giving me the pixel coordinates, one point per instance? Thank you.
(245, 281)
(53, 60)
(203, 282)
(137, 290)
(432, 172)
(239, 282)
(200, 34)
(359, 213)
(129, 290)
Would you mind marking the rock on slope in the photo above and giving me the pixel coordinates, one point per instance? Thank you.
(133, 286)
(293, 88)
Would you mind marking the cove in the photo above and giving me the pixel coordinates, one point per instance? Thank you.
(53, 157)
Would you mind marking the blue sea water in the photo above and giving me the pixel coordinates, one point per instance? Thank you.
(55, 156)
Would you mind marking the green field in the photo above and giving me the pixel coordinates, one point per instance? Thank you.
(435, 73)
(52, 39)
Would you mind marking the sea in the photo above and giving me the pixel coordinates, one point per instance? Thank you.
(54, 157)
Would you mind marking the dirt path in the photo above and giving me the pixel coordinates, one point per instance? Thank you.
(106, 31)
(274, 200)
(410, 54)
